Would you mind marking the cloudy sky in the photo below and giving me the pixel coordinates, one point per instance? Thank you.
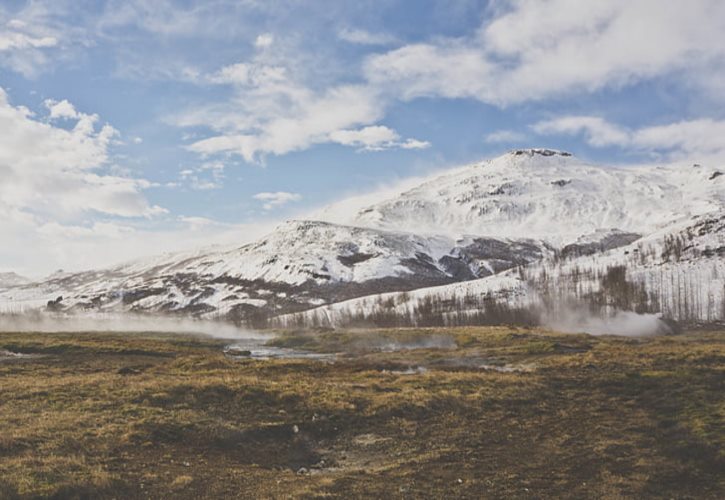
(135, 127)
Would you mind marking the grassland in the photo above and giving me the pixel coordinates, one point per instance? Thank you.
(474, 413)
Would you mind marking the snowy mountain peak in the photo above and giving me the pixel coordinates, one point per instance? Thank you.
(549, 195)
(531, 158)
(532, 152)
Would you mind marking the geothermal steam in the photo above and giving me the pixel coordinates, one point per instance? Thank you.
(625, 323)
(49, 323)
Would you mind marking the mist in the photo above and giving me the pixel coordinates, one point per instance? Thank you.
(119, 323)
(383, 344)
(623, 323)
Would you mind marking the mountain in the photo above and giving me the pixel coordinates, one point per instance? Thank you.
(678, 271)
(301, 264)
(10, 280)
(550, 195)
(480, 230)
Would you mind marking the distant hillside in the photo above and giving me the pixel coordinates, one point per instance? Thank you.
(517, 228)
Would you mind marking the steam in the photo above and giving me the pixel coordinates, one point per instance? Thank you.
(624, 323)
(388, 345)
(120, 323)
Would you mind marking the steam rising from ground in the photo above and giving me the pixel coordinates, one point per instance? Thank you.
(625, 323)
(50, 323)
(389, 345)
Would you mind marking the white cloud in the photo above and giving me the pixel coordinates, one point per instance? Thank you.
(21, 49)
(33, 36)
(696, 140)
(273, 114)
(375, 138)
(597, 131)
(14, 40)
(56, 203)
(36, 249)
(505, 136)
(415, 144)
(251, 75)
(372, 137)
(362, 37)
(53, 171)
(61, 110)
(536, 49)
(264, 40)
(450, 69)
(278, 199)
(198, 179)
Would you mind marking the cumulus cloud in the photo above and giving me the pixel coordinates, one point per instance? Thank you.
(52, 180)
(597, 131)
(524, 50)
(264, 40)
(51, 170)
(375, 138)
(699, 139)
(533, 50)
(278, 199)
(61, 110)
(273, 113)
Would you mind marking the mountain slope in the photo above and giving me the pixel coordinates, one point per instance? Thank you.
(10, 280)
(299, 265)
(678, 271)
(550, 195)
(517, 210)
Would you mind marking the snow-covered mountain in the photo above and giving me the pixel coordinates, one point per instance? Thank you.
(10, 280)
(550, 195)
(523, 209)
(299, 265)
(678, 271)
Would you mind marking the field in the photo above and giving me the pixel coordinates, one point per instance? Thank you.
(412, 413)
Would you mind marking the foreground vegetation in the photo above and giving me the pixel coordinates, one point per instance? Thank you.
(484, 412)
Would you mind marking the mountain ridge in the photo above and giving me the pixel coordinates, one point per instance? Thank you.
(524, 207)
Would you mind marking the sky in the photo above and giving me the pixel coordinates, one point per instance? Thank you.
(131, 128)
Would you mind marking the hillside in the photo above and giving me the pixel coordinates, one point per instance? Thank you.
(678, 272)
(550, 195)
(301, 264)
(545, 213)
(10, 280)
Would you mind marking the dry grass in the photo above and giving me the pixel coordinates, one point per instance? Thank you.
(148, 416)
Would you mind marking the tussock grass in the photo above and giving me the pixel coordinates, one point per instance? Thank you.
(160, 416)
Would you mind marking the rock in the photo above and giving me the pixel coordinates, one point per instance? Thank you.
(234, 351)
(127, 370)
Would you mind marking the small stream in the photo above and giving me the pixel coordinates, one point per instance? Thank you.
(11, 356)
(256, 348)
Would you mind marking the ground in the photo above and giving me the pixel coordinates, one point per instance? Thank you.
(457, 413)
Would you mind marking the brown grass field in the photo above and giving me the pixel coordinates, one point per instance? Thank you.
(497, 413)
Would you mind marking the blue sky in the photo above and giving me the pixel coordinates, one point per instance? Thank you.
(131, 128)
